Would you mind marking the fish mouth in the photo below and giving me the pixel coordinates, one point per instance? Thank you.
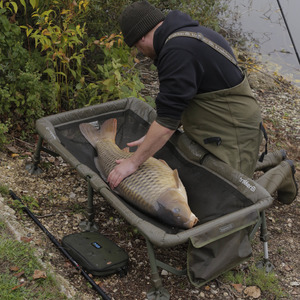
(191, 222)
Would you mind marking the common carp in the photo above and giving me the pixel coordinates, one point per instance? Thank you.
(154, 188)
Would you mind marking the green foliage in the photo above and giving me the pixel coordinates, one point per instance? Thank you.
(115, 78)
(4, 190)
(27, 201)
(204, 11)
(58, 36)
(3, 139)
(118, 77)
(24, 94)
(61, 55)
(103, 16)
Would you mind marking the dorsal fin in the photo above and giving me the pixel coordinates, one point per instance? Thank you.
(107, 130)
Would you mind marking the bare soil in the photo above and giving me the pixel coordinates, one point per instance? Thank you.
(62, 200)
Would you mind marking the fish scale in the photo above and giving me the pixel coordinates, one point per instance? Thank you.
(154, 188)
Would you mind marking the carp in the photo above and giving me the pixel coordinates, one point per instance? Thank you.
(154, 188)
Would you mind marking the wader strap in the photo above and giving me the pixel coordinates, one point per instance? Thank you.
(262, 128)
(201, 37)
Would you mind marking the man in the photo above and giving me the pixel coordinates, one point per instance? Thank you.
(201, 87)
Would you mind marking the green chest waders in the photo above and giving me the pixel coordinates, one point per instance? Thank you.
(226, 123)
(222, 131)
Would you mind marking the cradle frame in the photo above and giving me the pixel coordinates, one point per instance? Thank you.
(252, 216)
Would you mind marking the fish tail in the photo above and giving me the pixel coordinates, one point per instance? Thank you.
(107, 131)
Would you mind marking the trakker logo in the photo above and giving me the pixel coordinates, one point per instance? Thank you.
(246, 183)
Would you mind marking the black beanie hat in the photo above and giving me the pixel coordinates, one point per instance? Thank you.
(138, 19)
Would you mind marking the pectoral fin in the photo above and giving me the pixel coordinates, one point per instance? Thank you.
(164, 162)
(126, 149)
(179, 184)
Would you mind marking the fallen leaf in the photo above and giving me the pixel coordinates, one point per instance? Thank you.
(19, 274)
(39, 274)
(252, 291)
(18, 286)
(27, 153)
(238, 287)
(51, 159)
(12, 149)
(26, 239)
(14, 268)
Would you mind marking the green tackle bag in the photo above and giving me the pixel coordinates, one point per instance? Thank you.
(96, 254)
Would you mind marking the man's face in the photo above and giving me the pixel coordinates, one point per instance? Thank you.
(145, 46)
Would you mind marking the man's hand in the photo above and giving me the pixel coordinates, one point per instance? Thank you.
(148, 145)
(124, 168)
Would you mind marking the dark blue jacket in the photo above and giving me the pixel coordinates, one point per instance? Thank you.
(187, 67)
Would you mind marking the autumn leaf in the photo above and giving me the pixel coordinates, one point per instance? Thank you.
(18, 286)
(18, 275)
(238, 287)
(252, 291)
(26, 239)
(12, 149)
(39, 274)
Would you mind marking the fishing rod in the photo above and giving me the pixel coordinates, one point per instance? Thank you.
(287, 26)
(62, 249)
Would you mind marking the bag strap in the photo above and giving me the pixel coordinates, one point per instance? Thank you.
(201, 37)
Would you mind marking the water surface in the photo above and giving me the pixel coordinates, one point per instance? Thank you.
(262, 22)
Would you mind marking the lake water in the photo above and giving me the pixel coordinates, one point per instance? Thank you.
(262, 22)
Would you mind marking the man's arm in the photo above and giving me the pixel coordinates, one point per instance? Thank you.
(154, 140)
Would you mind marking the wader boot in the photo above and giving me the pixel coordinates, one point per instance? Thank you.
(271, 160)
(281, 179)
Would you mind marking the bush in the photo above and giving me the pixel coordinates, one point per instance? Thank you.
(24, 93)
(61, 55)
(3, 139)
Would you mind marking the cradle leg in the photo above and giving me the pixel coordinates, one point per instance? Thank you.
(89, 225)
(266, 264)
(158, 292)
(33, 168)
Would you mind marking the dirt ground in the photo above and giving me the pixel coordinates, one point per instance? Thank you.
(62, 200)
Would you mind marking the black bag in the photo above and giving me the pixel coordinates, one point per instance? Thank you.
(96, 254)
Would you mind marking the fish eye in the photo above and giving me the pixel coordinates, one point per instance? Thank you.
(176, 210)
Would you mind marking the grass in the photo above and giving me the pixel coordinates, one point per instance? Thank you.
(254, 276)
(4, 190)
(18, 264)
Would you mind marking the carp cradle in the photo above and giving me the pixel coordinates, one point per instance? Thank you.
(230, 207)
